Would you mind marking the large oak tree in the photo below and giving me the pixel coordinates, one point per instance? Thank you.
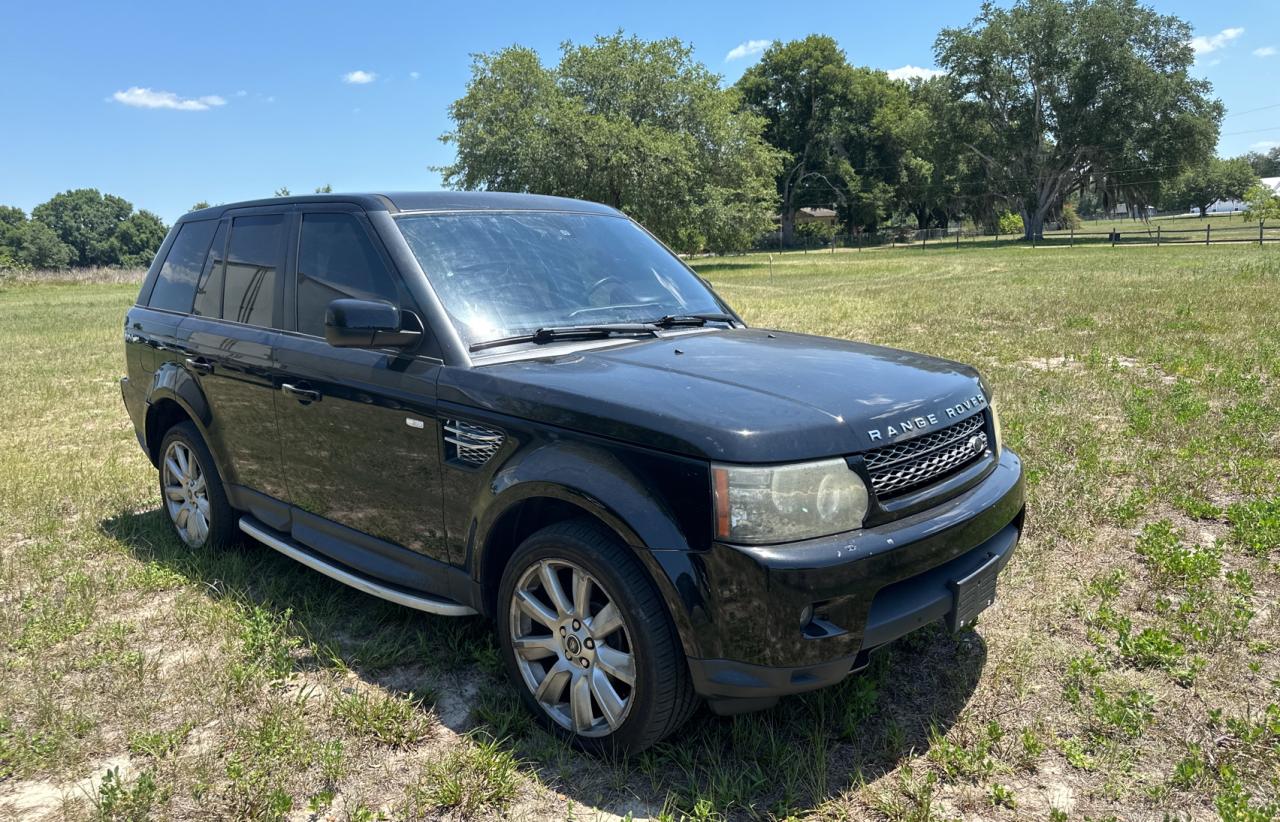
(1056, 94)
(639, 125)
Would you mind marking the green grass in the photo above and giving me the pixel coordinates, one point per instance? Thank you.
(1128, 669)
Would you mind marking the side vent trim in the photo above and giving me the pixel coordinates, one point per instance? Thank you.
(469, 443)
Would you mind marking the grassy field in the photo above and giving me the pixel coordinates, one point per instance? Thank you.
(1129, 669)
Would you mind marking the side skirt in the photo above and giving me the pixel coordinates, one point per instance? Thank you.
(295, 551)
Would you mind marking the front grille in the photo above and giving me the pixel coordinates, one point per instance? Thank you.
(469, 443)
(898, 468)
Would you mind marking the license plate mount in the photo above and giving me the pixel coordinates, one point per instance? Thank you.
(973, 594)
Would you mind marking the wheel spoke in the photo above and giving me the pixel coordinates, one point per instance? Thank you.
(552, 686)
(581, 594)
(551, 584)
(580, 703)
(202, 525)
(611, 705)
(174, 492)
(175, 473)
(193, 525)
(181, 454)
(202, 505)
(615, 663)
(197, 484)
(605, 622)
(535, 647)
(535, 610)
(184, 514)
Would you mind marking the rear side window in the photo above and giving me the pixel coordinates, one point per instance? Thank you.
(337, 260)
(176, 283)
(209, 291)
(253, 262)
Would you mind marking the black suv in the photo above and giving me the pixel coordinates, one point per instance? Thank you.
(527, 407)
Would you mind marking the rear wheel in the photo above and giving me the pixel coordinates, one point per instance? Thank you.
(191, 490)
(588, 641)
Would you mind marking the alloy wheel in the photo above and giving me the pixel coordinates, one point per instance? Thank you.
(572, 647)
(186, 494)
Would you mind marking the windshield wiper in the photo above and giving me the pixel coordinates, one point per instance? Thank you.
(569, 332)
(672, 320)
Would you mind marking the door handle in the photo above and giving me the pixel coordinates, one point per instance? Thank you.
(300, 394)
(200, 364)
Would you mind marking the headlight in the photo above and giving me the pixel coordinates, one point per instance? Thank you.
(785, 503)
(995, 426)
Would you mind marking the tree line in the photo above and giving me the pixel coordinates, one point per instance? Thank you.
(1042, 109)
(82, 227)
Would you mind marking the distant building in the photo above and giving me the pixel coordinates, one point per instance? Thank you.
(1232, 206)
(816, 215)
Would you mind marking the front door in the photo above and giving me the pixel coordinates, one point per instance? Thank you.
(358, 427)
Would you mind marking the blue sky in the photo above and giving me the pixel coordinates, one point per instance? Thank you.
(166, 104)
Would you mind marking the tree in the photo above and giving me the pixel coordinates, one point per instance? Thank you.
(802, 89)
(199, 205)
(1265, 165)
(282, 191)
(84, 219)
(1055, 94)
(1206, 184)
(34, 245)
(635, 124)
(136, 240)
(1261, 203)
(324, 189)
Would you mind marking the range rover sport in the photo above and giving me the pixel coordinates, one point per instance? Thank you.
(528, 408)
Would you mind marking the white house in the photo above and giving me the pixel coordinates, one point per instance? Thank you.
(1229, 206)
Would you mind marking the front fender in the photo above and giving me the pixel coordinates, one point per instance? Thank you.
(620, 490)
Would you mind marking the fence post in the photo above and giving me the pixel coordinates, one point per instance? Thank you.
(925, 241)
(1114, 233)
(958, 233)
(1207, 226)
(1158, 235)
(1261, 223)
(1072, 244)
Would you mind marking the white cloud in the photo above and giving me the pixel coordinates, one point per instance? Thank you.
(747, 49)
(1264, 145)
(242, 93)
(359, 77)
(909, 72)
(1207, 45)
(149, 98)
(414, 75)
(1265, 51)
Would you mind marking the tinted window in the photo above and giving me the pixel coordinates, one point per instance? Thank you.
(209, 291)
(253, 258)
(176, 283)
(336, 260)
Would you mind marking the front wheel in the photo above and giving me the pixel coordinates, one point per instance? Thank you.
(588, 641)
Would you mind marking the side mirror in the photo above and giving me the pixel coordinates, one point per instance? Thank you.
(367, 324)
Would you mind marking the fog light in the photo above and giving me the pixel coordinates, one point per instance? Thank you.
(806, 615)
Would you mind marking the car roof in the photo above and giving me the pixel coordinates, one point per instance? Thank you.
(397, 202)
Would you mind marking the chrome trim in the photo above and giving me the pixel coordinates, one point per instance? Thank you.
(901, 466)
(419, 602)
(472, 444)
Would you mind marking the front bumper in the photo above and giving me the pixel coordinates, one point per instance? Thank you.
(866, 589)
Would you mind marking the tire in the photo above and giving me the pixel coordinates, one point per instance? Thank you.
(660, 697)
(208, 520)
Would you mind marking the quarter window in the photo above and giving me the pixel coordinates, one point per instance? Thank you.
(337, 260)
(176, 283)
(253, 259)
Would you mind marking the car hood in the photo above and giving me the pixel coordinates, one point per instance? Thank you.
(738, 395)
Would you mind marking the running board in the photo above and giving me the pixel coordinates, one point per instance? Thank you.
(420, 602)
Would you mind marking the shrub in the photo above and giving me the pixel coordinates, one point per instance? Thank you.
(1070, 219)
(1010, 223)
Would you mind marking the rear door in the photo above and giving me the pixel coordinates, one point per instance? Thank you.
(229, 342)
(359, 430)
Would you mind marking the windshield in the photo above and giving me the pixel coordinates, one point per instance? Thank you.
(503, 274)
